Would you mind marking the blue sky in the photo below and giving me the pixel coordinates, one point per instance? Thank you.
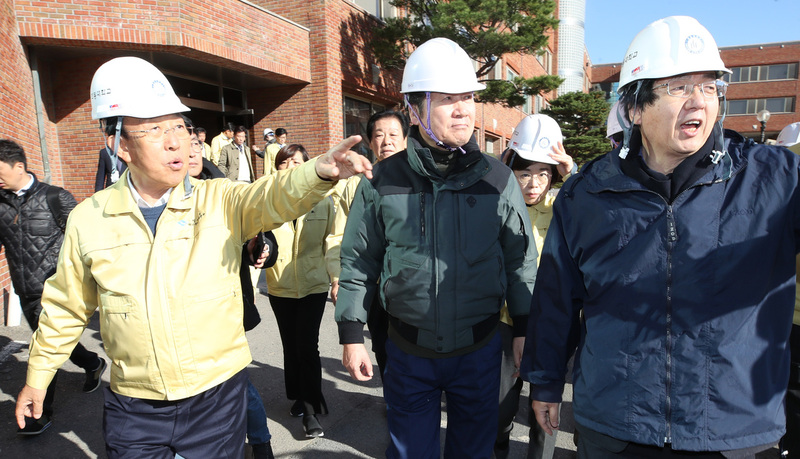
(612, 24)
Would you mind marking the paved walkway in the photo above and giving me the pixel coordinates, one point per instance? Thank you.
(355, 427)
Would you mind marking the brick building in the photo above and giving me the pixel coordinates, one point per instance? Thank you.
(302, 65)
(764, 77)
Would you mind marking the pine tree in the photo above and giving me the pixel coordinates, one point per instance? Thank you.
(485, 29)
(582, 118)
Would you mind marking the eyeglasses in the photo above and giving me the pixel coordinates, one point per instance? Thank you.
(542, 178)
(685, 89)
(196, 146)
(156, 133)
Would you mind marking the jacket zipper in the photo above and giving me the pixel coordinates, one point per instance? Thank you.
(435, 258)
(422, 214)
(672, 236)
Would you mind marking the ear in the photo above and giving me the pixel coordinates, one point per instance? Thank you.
(122, 152)
(635, 114)
(412, 117)
(21, 166)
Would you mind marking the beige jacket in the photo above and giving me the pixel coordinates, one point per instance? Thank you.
(229, 162)
(300, 267)
(170, 305)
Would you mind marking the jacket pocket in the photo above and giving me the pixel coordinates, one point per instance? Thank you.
(126, 338)
(41, 224)
(406, 283)
(484, 277)
(479, 228)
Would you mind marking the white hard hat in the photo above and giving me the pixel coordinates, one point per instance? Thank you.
(790, 135)
(671, 46)
(612, 123)
(268, 131)
(440, 65)
(130, 86)
(533, 138)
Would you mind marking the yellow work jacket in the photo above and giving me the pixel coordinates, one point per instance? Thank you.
(541, 214)
(343, 194)
(270, 153)
(300, 268)
(170, 304)
(217, 144)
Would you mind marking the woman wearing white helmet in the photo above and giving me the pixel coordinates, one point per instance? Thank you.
(537, 157)
(670, 265)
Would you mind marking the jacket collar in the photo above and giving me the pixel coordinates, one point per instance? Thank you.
(121, 200)
(466, 169)
(10, 196)
(605, 173)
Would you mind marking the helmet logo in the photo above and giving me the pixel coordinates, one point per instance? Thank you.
(158, 88)
(544, 142)
(637, 70)
(694, 44)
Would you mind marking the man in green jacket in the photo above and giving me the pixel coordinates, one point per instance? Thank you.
(445, 230)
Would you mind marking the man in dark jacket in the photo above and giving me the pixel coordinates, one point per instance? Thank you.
(445, 230)
(670, 265)
(32, 219)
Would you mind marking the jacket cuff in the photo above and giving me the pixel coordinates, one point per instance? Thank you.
(39, 379)
(520, 325)
(351, 332)
(550, 393)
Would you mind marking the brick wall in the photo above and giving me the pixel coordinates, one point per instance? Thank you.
(341, 64)
(776, 53)
(18, 116)
(228, 32)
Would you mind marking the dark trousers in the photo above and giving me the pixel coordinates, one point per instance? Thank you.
(791, 441)
(378, 323)
(299, 320)
(209, 424)
(413, 389)
(594, 445)
(88, 360)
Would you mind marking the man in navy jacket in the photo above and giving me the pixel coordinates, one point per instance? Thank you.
(669, 266)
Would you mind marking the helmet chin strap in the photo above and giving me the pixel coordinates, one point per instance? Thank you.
(113, 154)
(716, 155)
(627, 128)
(426, 127)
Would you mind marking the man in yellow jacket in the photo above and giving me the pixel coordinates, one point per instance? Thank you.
(139, 252)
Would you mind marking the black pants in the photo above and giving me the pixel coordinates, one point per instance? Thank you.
(298, 322)
(791, 441)
(594, 445)
(88, 360)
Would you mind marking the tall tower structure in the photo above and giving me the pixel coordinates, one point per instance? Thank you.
(571, 45)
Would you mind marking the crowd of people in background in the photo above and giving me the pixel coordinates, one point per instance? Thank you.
(662, 274)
